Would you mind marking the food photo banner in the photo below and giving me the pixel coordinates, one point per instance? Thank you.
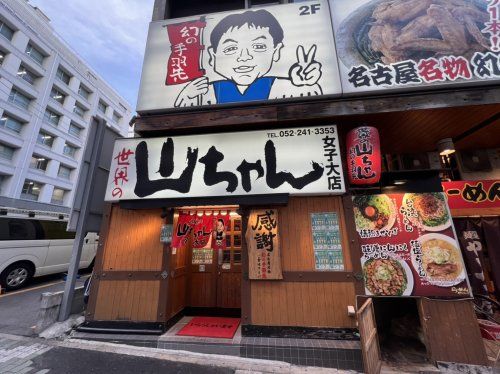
(409, 246)
(229, 164)
(405, 44)
(267, 53)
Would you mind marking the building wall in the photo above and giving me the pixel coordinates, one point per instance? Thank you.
(32, 27)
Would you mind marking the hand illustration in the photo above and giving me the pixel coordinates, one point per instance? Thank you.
(191, 94)
(306, 71)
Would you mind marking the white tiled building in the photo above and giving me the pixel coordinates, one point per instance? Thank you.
(48, 96)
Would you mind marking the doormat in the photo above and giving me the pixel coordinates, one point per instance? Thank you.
(211, 327)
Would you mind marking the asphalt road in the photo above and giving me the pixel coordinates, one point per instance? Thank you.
(19, 309)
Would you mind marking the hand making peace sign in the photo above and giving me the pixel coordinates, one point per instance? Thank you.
(306, 71)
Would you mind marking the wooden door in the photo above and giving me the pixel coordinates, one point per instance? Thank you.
(229, 267)
(369, 338)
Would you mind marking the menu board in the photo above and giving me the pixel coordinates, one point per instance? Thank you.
(202, 256)
(326, 241)
(409, 246)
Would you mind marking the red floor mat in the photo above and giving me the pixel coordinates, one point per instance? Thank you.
(211, 327)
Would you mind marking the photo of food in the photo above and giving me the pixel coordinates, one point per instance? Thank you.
(388, 31)
(374, 212)
(441, 260)
(387, 277)
(431, 209)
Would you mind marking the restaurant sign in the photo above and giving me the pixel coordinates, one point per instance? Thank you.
(476, 194)
(298, 161)
(409, 246)
(275, 52)
(264, 258)
(386, 44)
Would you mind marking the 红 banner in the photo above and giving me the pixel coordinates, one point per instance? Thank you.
(473, 194)
(387, 44)
(276, 52)
(297, 161)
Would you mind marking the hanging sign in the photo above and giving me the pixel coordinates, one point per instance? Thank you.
(364, 159)
(263, 245)
(240, 56)
(473, 194)
(166, 234)
(326, 241)
(409, 246)
(219, 224)
(242, 163)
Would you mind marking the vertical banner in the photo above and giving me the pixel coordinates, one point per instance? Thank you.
(183, 229)
(364, 159)
(263, 245)
(219, 225)
(326, 241)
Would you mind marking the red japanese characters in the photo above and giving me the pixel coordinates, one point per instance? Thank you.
(363, 156)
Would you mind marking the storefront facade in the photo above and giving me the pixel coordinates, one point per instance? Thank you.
(248, 201)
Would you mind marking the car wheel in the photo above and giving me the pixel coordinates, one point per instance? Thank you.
(16, 276)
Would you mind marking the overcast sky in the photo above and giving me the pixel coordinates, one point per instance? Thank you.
(110, 35)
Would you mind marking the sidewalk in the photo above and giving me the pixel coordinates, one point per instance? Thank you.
(22, 355)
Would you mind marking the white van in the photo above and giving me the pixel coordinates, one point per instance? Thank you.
(35, 247)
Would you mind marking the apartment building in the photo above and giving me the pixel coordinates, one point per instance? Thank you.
(48, 96)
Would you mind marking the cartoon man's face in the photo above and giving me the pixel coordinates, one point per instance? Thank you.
(220, 226)
(245, 54)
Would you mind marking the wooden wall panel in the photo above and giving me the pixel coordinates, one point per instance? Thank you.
(133, 241)
(318, 304)
(127, 300)
(295, 231)
(202, 289)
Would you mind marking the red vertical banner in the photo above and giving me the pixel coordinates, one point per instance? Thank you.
(184, 227)
(364, 159)
(202, 232)
(219, 224)
(186, 49)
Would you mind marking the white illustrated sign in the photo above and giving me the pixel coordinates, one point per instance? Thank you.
(276, 52)
(298, 161)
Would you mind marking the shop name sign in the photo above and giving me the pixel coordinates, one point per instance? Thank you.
(276, 52)
(298, 161)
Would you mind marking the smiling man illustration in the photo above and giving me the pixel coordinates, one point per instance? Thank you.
(243, 49)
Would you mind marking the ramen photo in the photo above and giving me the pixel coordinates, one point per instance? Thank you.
(441, 259)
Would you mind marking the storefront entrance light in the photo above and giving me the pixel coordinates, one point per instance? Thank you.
(446, 147)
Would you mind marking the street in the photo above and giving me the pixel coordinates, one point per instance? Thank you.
(19, 309)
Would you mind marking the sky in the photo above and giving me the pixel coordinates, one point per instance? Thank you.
(109, 35)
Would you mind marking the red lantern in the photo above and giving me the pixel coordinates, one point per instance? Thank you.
(364, 162)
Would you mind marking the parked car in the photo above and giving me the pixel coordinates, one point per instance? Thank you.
(35, 247)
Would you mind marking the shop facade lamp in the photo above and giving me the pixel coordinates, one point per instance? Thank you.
(446, 147)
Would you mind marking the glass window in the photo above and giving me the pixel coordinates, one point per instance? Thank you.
(35, 54)
(6, 152)
(101, 107)
(63, 76)
(64, 172)
(27, 75)
(11, 123)
(38, 162)
(6, 31)
(58, 196)
(2, 56)
(19, 99)
(57, 95)
(3, 179)
(69, 150)
(45, 139)
(31, 190)
(78, 110)
(259, 3)
(75, 130)
(83, 92)
(51, 117)
(116, 117)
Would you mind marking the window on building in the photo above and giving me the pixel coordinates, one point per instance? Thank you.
(58, 196)
(101, 107)
(63, 76)
(27, 75)
(83, 92)
(51, 117)
(6, 152)
(19, 99)
(64, 172)
(2, 56)
(45, 139)
(78, 110)
(69, 150)
(187, 8)
(31, 190)
(3, 180)
(57, 95)
(260, 3)
(39, 162)
(35, 54)
(116, 117)
(75, 130)
(10, 123)
(6, 31)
